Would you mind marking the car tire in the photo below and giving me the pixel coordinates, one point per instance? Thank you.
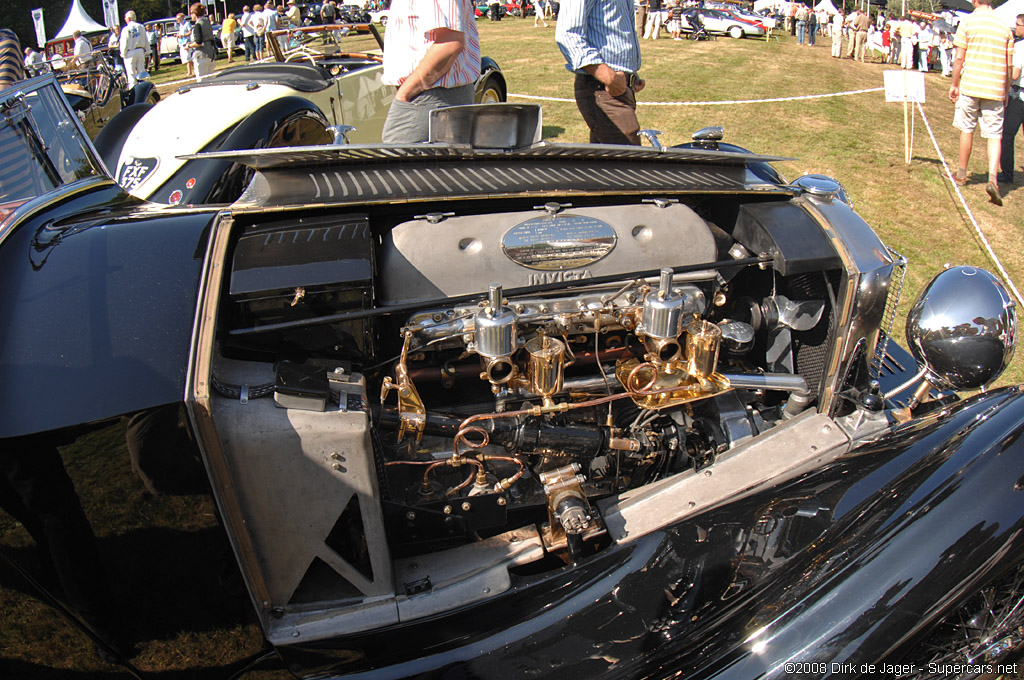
(384, 21)
(492, 91)
(735, 32)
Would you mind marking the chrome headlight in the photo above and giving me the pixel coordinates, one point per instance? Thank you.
(963, 328)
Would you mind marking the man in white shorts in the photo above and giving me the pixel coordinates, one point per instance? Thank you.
(981, 79)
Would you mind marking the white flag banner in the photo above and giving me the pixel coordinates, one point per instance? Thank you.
(110, 14)
(37, 19)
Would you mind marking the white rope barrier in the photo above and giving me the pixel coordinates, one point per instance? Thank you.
(977, 228)
(718, 103)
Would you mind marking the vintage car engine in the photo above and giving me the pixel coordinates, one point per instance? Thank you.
(506, 407)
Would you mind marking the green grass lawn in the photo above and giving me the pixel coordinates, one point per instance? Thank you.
(859, 139)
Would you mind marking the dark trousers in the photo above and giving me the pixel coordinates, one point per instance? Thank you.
(154, 51)
(1013, 118)
(250, 47)
(612, 120)
(38, 492)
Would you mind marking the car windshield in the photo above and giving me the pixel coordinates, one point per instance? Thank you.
(41, 145)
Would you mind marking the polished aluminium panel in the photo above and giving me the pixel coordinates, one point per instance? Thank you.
(463, 254)
(554, 242)
(808, 439)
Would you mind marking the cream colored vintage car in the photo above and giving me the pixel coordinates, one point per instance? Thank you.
(305, 98)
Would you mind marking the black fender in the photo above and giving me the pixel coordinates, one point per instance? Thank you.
(141, 93)
(932, 513)
(110, 140)
(217, 181)
(848, 564)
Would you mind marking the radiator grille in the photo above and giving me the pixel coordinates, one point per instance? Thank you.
(811, 348)
(899, 271)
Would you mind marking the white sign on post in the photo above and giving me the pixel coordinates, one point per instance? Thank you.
(905, 86)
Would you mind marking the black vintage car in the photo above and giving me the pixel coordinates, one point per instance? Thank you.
(494, 407)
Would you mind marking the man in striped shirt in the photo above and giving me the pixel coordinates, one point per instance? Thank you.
(432, 55)
(600, 44)
(981, 79)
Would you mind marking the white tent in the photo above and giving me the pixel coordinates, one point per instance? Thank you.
(78, 20)
(830, 8)
(772, 4)
(1009, 10)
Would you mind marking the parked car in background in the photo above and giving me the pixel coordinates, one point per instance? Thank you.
(353, 14)
(487, 9)
(65, 46)
(495, 407)
(516, 10)
(748, 17)
(168, 40)
(722, 23)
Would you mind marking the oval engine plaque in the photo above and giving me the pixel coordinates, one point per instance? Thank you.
(558, 242)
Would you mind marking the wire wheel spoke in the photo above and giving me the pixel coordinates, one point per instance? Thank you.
(984, 630)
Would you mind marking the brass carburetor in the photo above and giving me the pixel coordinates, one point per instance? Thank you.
(495, 337)
(681, 359)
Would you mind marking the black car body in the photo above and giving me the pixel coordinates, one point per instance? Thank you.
(494, 407)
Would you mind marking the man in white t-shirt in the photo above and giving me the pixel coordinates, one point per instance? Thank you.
(134, 48)
(248, 34)
(32, 58)
(1013, 115)
(184, 34)
(270, 18)
(838, 20)
(83, 50)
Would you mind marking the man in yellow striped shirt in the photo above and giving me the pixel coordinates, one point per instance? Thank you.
(981, 79)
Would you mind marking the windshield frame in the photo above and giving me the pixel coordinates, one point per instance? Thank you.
(63, 158)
